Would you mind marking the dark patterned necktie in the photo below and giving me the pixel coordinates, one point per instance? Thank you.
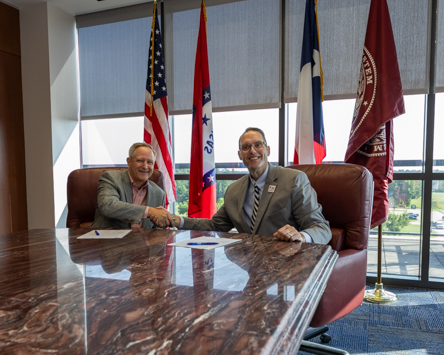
(257, 190)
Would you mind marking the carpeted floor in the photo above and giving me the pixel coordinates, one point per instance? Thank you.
(414, 324)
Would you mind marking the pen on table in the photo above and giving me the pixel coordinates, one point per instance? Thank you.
(97, 233)
(210, 243)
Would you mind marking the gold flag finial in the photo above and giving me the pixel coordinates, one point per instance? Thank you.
(205, 14)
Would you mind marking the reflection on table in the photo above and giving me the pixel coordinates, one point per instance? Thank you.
(139, 295)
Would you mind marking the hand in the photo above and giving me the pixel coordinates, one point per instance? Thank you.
(174, 221)
(160, 217)
(289, 234)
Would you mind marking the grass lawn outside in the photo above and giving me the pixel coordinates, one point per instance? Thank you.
(412, 228)
(417, 203)
(437, 201)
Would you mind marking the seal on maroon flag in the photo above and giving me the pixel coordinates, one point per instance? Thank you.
(366, 89)
(377, 145)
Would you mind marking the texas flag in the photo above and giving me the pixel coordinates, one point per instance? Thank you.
(310, 135)
(202, 194)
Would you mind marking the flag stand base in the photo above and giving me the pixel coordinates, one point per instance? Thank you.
(379, 295)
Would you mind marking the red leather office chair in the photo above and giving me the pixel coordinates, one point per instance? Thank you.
(82, 194)
(345, 192)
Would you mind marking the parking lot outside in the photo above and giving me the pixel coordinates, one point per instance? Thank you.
(401, 251)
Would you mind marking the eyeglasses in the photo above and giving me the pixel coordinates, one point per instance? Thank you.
(256, 145)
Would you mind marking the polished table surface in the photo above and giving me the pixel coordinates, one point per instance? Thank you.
(138, 295)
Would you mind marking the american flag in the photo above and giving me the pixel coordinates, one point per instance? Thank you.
(157, 129)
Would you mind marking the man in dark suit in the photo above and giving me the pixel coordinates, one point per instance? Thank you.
(284, 205)
(127, 199)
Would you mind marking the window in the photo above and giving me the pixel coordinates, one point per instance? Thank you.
(107, 141)
(243, 39)
(249, 93)
(229, 127)
(437, 231)
(401, 239)
(438, 141)
(402, 232)
(409, 136)
(337, 116)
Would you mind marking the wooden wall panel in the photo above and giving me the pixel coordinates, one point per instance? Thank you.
(12, 152)
(13, 205)
(9, 29)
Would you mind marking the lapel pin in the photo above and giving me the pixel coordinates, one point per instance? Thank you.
(271, 188)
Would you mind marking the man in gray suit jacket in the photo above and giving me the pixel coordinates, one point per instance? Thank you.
(284, 206)
(127, 199)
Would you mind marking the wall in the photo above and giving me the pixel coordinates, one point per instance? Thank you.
(51, 110)
(13, 209)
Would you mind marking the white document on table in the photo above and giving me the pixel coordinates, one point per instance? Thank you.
(199, 243)
(105, 234)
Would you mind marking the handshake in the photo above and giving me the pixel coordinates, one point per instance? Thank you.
(162, 218)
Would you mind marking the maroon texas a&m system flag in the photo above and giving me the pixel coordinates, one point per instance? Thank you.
(379, 100)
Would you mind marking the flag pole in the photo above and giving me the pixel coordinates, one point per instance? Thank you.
(380, 99)
(379, 295)
(152, 58)
(320, 61)
(156, 126)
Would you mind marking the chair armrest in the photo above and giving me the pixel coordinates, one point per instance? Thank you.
(345, 288)
(337, 241)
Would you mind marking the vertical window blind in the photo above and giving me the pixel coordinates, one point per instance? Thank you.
(439, 84)
(243, 53)
(342, 28)
(113, 61)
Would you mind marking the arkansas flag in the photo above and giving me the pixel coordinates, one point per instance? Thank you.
(310, 135)
(157, 129)
(379, 100)
(202, 194)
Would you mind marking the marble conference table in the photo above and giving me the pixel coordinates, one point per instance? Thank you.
(138, 295)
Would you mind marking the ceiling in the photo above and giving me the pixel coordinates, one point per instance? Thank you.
(78, 7)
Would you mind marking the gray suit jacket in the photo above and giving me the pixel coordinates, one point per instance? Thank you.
(115, 206)
(292, 202)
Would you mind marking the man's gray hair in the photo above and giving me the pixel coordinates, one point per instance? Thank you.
(138, 145)
(253, 129)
